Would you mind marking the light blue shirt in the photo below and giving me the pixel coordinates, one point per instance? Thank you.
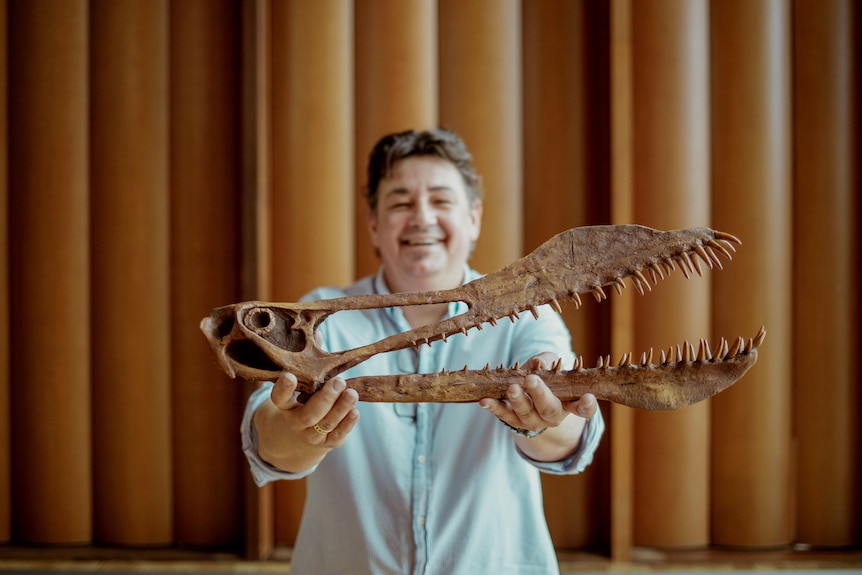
(427, 488)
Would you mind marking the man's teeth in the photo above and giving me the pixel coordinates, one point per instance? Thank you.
(420, 242)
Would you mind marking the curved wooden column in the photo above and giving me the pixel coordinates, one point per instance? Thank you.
(396, 89)
(566, 185)
(5, 390)
(312, 168)
(826, 302)
(480, 87)
(49, 256)
(751, 178)
(131, 311)
(671, 190)
(205, 269)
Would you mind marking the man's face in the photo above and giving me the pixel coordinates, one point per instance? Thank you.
(424, 226)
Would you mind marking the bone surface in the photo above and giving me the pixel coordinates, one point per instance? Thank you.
(259, 340)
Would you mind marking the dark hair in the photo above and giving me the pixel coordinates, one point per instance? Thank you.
(441, 143)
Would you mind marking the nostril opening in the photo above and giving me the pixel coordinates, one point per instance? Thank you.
(260, 319)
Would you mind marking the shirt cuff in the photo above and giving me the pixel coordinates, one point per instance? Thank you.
(580, 459)
(261, 471)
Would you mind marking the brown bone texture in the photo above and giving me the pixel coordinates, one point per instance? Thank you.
(259, 340)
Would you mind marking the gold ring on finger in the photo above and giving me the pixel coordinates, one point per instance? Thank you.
(319, 429)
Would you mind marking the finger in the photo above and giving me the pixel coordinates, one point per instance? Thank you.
(544, 360)
(283, 395)
(585, 406)
(319, 404)
(342, 408)
(520, 402)
(338, 436)
(547, 405)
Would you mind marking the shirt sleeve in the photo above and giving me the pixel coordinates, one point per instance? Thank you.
(580, 459)
(261, 471)
(549, 333)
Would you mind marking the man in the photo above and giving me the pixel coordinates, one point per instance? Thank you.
(423, 488)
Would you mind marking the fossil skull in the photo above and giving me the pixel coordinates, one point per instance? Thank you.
(259, 340)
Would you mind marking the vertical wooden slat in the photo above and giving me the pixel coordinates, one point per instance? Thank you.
(259, 502)
(621, 424)
(480, 98)
(49, 259)
(5, 426)
(825, 300)
(751, 178)
(396, 88)
(566, 185)
(129, 198)
(312, 167)
(205, 272)
(671, 190)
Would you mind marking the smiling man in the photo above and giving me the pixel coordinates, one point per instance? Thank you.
(423, 488)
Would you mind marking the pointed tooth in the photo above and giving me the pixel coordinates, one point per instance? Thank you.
(730, 238)
(623, 360)
(653, 276)
(443, 371)
(464, 330)
(599, 293)
(517, 366)
(535, 311)
(734, 349)
(684, 266)
(579, 364)
(478, 326)
(643, 359)
(600, 363)
(493, 321)
(688, 352)
(556, 305)
(513, 316)
(576, 296)
(717, 352)
(701, 352)
(749, 346)
(679, 357)
(607, 361)
(465, 368)
(761, 335)
(719, 247)
(657, 270)
(671, 355)
(619, 285)
(669, 265)
(662, 358)
(649, 357)
(716, 260)
(487, 368)
(699, 250)
(639, 274)
(501, 367)
(694, 263)
(638, 286)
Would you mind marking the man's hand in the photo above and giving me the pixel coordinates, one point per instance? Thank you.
(533, 407)
(295, 436)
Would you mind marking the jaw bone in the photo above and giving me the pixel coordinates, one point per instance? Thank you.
(259, 340)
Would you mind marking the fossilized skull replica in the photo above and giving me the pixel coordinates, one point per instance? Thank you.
(259, 340)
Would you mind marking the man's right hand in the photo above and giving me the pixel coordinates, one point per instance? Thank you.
(295, 436)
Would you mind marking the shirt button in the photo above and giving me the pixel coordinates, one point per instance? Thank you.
(421, 459)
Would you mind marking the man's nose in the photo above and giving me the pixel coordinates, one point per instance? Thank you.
(423, 213)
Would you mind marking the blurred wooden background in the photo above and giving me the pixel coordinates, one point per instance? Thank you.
(166, 157)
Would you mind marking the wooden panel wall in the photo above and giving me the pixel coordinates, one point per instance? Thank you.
(752, 198)
(129, 232)
(671, 191)
(5, 426)
(208, 151)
